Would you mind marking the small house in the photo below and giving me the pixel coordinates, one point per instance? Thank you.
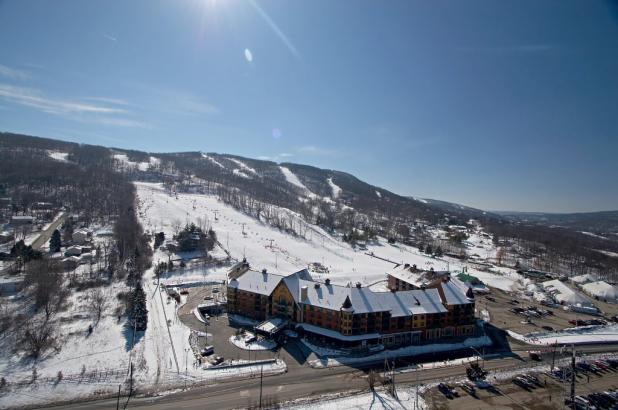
(71, 262)
(81, 236)
(21, 220)
(73, 251)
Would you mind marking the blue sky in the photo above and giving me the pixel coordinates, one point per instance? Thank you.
(499, 105)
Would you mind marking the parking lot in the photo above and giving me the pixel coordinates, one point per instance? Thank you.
(541, 391)
(220, 329)
(501, 315)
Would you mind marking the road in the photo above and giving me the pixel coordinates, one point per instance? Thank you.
(305, 382)
(47, 233)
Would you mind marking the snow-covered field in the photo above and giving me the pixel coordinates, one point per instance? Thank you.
(266, 247)
(576, 335)
(380, 399)
(472, 342)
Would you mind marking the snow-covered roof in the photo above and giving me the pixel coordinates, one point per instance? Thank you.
(416, 277)
(562, 293)
(362, 300)
(271, 325)
(455, 292)
(405, 303)
(262, 283)
(601, 289)
(583, 278)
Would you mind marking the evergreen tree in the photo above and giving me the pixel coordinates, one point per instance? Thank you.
(55, 241)
(428, 250)
(439, 251)
(138, 314)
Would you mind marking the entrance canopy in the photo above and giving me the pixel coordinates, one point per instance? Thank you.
(271, 327)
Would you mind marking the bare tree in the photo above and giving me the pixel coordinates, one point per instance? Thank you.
(37, 336)
(47, 287)
(97, 303)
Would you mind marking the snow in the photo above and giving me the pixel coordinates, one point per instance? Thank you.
(244, 167)
(564, 294)
(241, 173)
(326, 361)
(58, 156)
(380, 399)
(608, 253)
(576, 335)
(335, 188)
(292, 253)
(124, 162)
(214, 161)
(601, 290)
(420, 200)
(378, 194)
(259, 344)
(594, 235)
(292, 178)
(581, 279)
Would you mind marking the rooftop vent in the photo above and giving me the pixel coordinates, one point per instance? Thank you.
(407, 265)
(358, 285)
(317, 286)
(264, 271)
(327, 281)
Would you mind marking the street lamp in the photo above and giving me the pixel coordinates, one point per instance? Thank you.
(186, 366)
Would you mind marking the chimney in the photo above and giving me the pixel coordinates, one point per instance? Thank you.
(358, 285)
(303, 293)
(327, 281)
(406, 266)
(317, 286)
(264, 272)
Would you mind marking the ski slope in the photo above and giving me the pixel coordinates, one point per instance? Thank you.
(266, 247)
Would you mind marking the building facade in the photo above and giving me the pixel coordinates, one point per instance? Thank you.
(352, 315)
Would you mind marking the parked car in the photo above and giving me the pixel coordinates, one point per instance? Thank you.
(215, 290)
(548, 328)
(207, 351)
(444, 389)
(250, 339)
(217, 360)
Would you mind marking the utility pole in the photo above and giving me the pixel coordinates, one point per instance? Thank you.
(573, 377)
(186, 367)
(261, 383)
(393, 379)
(118, 401)
(553, 357)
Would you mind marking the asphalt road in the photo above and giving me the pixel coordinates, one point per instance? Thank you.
(305, 382)
(46, 234)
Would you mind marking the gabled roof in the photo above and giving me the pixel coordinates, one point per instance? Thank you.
(403, 303)
(418, 277)
(262, 283)
(455, 292)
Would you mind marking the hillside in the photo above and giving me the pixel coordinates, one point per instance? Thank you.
(338, 201)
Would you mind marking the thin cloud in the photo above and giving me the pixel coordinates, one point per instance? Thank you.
(35, 99)
(75, 110)
(107, 100)
(186, 103)
(273, 26)
(110, 37)
(315, 150)
(13, 73)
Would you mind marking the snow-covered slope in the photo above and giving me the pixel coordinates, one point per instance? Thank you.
(277, 251)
